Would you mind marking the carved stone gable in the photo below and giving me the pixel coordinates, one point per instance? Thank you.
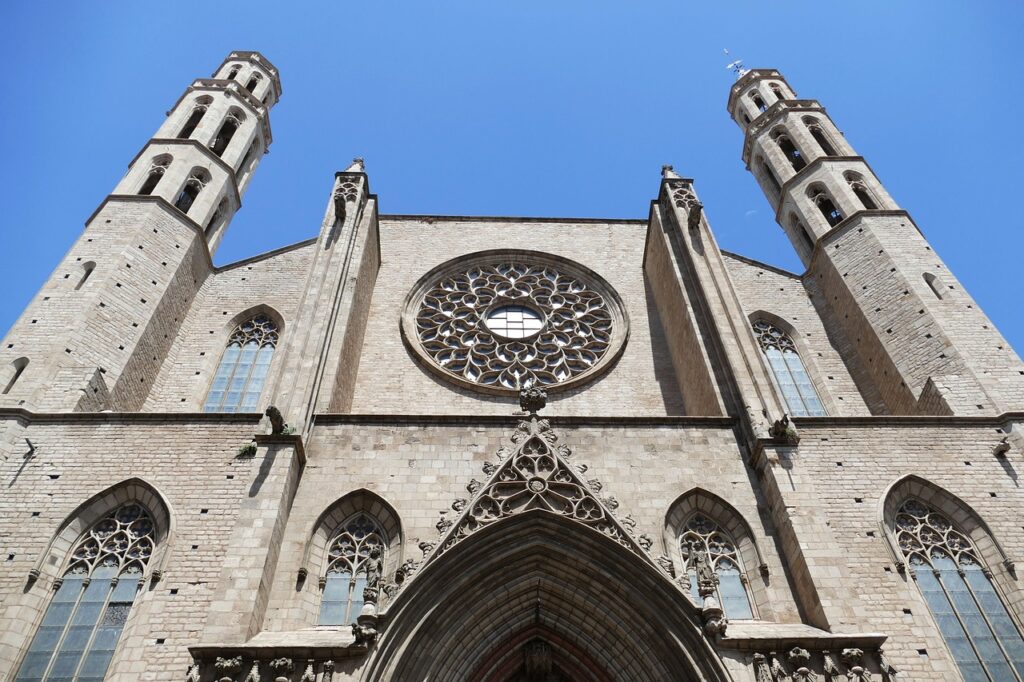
(535, 475)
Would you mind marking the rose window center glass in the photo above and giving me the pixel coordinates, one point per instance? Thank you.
(501, 323)
(514, 321)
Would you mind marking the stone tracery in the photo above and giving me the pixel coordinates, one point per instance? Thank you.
(565, 325)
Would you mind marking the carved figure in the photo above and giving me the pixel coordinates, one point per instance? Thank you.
(374, 571)
(532, 399)
(782, 431)
(666, 565)
(277, 425)
(365, 635)
(459, 504)
(282, 667)
(645, 541)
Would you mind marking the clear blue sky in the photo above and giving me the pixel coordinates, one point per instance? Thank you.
(562, 108)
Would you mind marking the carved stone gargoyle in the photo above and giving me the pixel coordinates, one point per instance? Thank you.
(277, 425)
(783, 432)
(365, 634)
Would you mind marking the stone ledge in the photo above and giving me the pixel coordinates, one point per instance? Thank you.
(761, 636)
(332, 418)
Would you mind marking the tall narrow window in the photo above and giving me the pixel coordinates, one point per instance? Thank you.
(825, 204)
(235, 68)
(703, 537)
(787, 367)
(216, 218)
(777, 91)
(243, 167)
(155, 174)
(83, 623)
(357, 550)
(860, 188)
(982, 637)
(16, 369)
(193, 186)
(253, 82)
(802, 234)
(819, 135)
(758, 101)
(227, 131)
(791, 152)
(198, 111)
(769, 175)
(244, 366)
(87, 269)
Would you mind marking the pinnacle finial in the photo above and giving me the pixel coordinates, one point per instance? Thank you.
(669, 173)
(532, 399)
(357, 166)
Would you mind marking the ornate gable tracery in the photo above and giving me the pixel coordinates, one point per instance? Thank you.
(535, 474)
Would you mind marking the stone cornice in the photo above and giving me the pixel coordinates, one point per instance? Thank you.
(29, 417)
(330, 419)
(513, 219)
(909, 421)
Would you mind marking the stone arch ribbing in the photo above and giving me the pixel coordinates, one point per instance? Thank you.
(331, 519)
(956, 510)
(54, 559)
(537, 568)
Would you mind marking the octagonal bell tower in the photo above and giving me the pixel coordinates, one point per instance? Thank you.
(918, 343)
(98, 331)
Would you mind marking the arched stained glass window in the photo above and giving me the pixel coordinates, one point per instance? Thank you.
(358, 545)
(83, 623)
(244, 366)
(701, 535)
(982, 637)
(790, 375)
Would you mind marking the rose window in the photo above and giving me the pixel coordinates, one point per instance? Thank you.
(502, 321)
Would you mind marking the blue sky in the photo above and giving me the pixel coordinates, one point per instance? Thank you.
(527, 108)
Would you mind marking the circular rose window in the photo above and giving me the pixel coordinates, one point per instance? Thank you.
(499, 320)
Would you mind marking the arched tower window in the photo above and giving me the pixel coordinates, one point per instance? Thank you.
(246, 162)
(87, 269)
(357, 551)
(154, 175)
(860, 188)
(788, 369)
(17, 368)
(819, 135)
(216, 218)
(982, 637)
(704, 540)
(758, 101)
(825, 204)
(235, 68)
(197, 179)
(254, 81)
(243, 368)
(82, 625)
(777, 91)
(801, 232)
(796, 159)
(769, 175)
(198, 111)
(227, 131)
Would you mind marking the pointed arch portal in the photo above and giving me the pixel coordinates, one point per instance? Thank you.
(540, 597)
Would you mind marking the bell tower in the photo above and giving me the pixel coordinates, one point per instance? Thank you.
(97, 332)
(917, 342)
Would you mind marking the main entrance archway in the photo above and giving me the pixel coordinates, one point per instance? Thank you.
(537, 594)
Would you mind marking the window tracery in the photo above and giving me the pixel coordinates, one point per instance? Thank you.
(787, 367)
(244, 366)
(498, 324)
(85, 618)
(982, 637)
(358, 546)
(703, 539)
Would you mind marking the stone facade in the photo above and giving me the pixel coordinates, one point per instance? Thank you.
(509, 531)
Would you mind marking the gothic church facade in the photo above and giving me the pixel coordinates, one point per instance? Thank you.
(498, 449)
